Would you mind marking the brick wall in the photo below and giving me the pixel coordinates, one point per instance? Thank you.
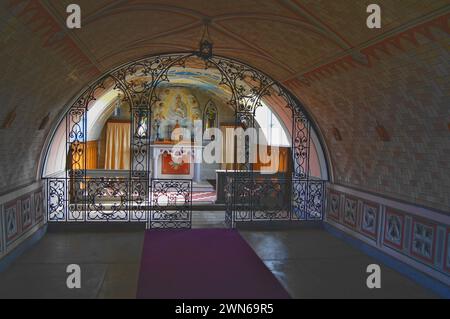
(408, 94)
(35, 81)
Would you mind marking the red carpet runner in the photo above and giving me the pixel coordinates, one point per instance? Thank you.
(203, 264)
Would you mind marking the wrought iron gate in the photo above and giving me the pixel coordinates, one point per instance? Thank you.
(79, 196)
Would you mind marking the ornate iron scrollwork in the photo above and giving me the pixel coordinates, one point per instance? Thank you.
(57, 200)
(301, 146)
(78, 197)
(139, 200)
(107, 199)
(171, 204)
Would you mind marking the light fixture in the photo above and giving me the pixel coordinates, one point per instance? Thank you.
(206, 45)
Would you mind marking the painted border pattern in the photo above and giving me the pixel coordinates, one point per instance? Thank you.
(2, 233)
(20, 218)
(394, 229)
(337, 211)
(447, 251)
(351, 211)
(418, 237)
(423, 240)
(370, 216)
(38, 206)
(334, 205)
(12, 221)
(26, 214)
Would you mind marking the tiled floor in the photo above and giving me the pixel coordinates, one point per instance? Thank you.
(310, 263)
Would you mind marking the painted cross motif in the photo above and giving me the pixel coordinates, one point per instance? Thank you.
(422, 244)
(333, 210)
(350, 212)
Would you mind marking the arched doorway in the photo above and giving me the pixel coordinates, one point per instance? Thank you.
(136, 188)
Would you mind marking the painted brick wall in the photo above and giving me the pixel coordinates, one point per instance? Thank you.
(409, 94)
(35, 80)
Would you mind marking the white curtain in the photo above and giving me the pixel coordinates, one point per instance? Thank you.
(117, 145)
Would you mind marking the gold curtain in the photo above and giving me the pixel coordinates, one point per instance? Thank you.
(228, 148)
(80, 155)
(117, 145)
(283, 162)
(91, 155)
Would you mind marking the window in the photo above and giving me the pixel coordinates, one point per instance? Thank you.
(271, 126)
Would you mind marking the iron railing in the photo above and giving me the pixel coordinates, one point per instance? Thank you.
(161, 203)
(253, 200)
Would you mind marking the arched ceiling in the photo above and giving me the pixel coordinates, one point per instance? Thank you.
(320, 49)
(284, 37)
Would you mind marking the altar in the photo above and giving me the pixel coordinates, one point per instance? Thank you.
(176, 161)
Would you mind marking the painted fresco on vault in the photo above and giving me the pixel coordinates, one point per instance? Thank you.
(176, 107)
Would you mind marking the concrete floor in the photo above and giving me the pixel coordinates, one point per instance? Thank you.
(310, 263)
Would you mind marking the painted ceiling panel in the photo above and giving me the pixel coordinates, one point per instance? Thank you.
(213, 8)
(348, 18)
(88, 6)
(285, 42)
(109, 33)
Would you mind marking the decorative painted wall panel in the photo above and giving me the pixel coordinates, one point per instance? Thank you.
(25, 213)
(2, 233)
(394, 229)
(334, 203)
(423, 240)
(350, 211)
(21, 217)
(398, 229)
(38, 201)
(11, 222)
(369, 219)
(447, 252)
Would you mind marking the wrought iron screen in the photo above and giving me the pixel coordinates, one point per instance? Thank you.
(77, 196)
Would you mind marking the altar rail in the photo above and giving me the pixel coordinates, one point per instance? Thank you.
(167, 203)
(276, 199)
(161, 203)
